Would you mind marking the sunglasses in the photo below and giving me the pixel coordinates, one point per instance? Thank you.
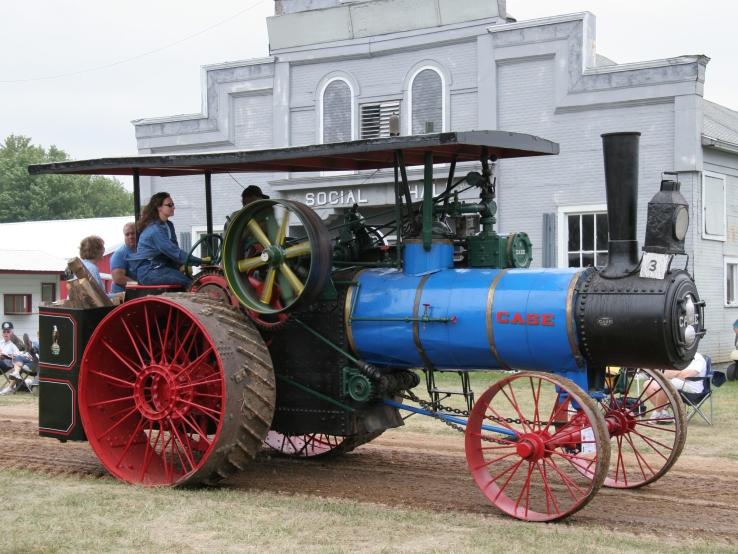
(169, 205)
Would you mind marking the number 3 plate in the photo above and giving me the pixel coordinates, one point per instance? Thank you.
(653, 266)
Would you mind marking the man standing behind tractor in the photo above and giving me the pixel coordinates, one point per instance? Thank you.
(120, 266)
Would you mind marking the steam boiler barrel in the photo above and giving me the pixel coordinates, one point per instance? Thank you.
(465, 319)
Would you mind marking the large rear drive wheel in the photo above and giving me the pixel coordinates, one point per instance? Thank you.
(175, 390)
(527, 439)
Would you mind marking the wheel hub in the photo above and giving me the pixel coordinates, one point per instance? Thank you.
(620, 422)
(273, 255)
(158, 394)
(532, 447)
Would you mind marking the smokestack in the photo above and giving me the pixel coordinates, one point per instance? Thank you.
(620, 151)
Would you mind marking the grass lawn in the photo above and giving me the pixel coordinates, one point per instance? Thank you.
(63, 514)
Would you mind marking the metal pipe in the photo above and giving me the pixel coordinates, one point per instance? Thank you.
(428, 201)
(398, 213)
(405, 185)
(445, 417)
(449, 183)
(408, 319)
(620, 152)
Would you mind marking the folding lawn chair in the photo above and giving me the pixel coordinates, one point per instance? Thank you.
(694, 401)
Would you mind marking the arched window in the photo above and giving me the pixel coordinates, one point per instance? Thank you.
(426, 96)
(336, 112)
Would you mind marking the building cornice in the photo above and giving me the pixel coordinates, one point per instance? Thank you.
(549, 20)
(718, 144)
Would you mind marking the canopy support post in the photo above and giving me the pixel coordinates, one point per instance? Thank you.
(208, 204)
(136, 195)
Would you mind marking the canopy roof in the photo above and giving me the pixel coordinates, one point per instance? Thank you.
(344, 156)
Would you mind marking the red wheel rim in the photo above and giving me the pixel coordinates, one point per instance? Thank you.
(528, 458)
(309, 445)
(152, 393)
(644, 443)
(214, 285)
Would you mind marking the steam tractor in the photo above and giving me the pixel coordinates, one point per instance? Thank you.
(310, 341)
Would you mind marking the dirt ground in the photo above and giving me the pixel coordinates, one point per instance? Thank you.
(415, 470)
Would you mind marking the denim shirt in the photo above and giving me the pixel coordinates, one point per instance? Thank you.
(158, 246)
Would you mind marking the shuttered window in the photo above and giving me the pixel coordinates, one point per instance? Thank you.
(337, 112)
(731, 282)
(48, 292)
(17, 304)
(375, 118)
(713, 205)
(427, 103)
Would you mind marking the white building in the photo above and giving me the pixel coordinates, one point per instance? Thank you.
(35, 274)
(28, 277)
(339, 68)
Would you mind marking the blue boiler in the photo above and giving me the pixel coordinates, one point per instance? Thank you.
(432, 315)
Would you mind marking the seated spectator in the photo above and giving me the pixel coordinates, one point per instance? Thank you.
(13, 337)
(11, 359)
(158, 255)
(679, 378)
(91, 252)
(120, 264)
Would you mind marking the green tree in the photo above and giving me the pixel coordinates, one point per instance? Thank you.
(34, 198)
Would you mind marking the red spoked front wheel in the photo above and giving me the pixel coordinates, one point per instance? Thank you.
(175, 390)
(527, 439)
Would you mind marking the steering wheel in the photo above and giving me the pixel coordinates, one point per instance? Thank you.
(216, 245)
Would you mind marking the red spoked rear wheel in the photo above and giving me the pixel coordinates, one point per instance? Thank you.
(168, 394)
(313, 445)
(212, 283)
(308, 445)
(527, 439)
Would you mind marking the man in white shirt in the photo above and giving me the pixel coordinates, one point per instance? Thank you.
(11, 359)
(680, 379)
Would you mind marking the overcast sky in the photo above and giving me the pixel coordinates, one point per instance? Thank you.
(74, 73)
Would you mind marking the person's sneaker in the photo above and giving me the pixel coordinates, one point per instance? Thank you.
(15, 374)
(662, 417)
(657, 415)
(7, 389)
